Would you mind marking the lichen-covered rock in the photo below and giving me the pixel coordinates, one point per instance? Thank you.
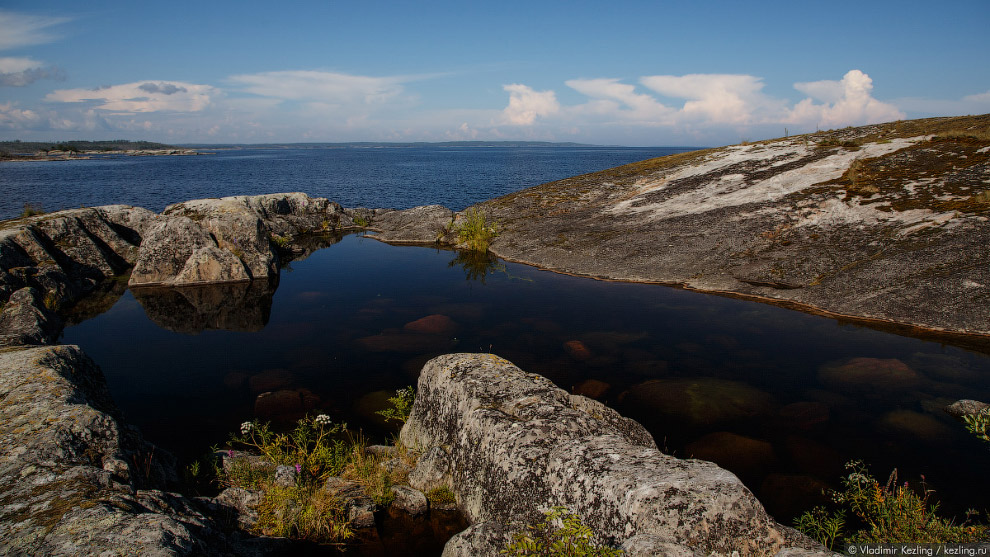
(231, 239)
(24, 319)
(70, 476)
(178, 251)
(512, 445)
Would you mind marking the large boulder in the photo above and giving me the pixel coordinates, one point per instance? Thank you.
(231, 239)
(511, 445)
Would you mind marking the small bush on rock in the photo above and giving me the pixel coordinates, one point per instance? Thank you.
(474, 230)
(978, 424)
(401, 405)
(561, 533)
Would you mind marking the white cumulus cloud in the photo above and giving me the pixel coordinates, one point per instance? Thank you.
(526, 105)
(717, 98)
(844, 103)
(141, 96)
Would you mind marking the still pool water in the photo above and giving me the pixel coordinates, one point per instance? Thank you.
(781, 398)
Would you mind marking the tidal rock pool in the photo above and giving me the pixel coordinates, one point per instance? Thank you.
(781, 398)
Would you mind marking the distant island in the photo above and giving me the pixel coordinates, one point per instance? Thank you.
(68, 150)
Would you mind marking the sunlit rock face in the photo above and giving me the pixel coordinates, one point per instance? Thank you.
(511, 444)
(232, 239)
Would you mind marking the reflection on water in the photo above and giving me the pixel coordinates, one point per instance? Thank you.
(781, 398)
(242, 306)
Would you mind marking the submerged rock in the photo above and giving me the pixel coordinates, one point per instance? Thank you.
(746, 457)
(435, 324)
(511, 444)
(870, 375)
(702, 401)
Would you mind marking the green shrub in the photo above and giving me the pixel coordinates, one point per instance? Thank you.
(884, 514)
(474, 230)
(281, 242)
(561, 533)
(360, 221)
(32, 210)
(979, 424)
(441, 495)
(401, 405)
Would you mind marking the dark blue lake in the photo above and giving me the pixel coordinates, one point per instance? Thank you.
(781, 398)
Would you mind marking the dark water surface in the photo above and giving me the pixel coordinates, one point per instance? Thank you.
(781, 398)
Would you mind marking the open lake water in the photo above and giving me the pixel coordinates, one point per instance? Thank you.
(781, 398)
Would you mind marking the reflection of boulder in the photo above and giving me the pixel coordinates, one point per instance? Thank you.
(243, 306)
(870, 375)
(702, 401)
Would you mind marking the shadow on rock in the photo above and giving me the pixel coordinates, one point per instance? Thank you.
(241, 306)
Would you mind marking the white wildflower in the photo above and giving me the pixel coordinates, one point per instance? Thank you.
(246, 428)
(322, 420)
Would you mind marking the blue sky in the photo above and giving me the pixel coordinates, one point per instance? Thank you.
(624, 73)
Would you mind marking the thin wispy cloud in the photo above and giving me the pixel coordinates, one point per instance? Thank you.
(19, 30)
(323, 87)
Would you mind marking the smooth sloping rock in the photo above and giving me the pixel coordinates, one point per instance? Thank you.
(516, 445)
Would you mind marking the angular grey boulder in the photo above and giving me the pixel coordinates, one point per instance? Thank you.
(515, 445)
(231, 239)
